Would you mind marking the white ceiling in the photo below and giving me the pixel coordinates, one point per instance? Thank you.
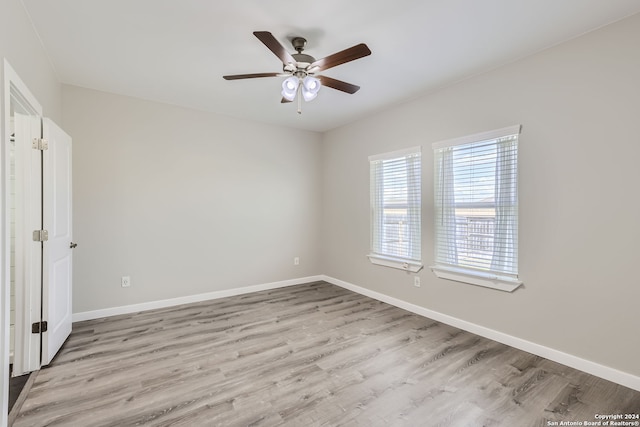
(176, 51)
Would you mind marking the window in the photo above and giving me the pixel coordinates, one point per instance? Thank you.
(395, 209)
(476, 209)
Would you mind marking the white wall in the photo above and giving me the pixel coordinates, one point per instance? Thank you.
(21, 47)
(579, 104)
(185, 202)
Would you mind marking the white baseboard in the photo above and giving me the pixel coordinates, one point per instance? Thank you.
(610, 374)
(134, 308)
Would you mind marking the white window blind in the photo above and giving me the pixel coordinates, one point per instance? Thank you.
(395, 209)
(476, 208)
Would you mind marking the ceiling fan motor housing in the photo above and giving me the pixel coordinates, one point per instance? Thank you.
(302, 59)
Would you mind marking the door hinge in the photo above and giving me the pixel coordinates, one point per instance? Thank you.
(40, 144)
(38, 327)
(40, 235)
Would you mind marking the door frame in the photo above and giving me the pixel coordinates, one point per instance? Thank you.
(16, 88)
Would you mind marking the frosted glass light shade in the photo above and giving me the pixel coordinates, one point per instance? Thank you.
(289, 88)
(310, 88)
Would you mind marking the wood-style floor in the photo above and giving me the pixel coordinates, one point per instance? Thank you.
(308, 355)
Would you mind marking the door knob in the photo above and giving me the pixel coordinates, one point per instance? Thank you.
(73, 245)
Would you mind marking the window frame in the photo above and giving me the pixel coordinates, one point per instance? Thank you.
(450, 271)
(376, 255)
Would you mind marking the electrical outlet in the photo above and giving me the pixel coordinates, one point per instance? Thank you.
(125, 282)
(296, 261)
(416, 281)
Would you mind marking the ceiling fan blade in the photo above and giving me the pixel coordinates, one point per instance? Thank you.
(284, 100)
(250, 76)
(274, 46)
(351, 54)
(338, 84)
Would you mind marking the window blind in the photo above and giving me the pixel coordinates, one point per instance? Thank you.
(476, 202)
(396, 205)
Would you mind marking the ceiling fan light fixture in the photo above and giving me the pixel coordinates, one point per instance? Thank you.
(300, 69)
(290, 87)
(310, 88)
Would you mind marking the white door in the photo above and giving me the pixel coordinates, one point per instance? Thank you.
(57, 254)
(28, 253)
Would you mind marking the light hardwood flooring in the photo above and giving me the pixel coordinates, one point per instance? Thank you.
(307, 355)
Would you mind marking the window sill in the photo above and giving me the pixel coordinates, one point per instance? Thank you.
(398, 263)
(488, 280)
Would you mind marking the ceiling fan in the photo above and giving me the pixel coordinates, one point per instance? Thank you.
(300, 69)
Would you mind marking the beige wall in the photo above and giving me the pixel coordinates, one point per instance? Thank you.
(185, 202)
(579, 104)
